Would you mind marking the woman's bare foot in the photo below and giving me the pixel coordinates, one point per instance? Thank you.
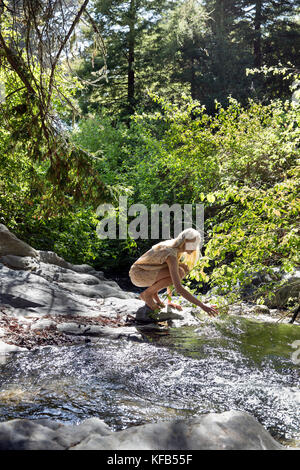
(177, 306)
(149, 301)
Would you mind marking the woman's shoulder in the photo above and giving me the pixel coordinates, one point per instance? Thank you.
(158, 253)
(171, 251)
(164, 250)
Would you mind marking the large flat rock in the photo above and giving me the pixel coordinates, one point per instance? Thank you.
(100, 291)
(232, 430)
(28, 293)
(127, 332)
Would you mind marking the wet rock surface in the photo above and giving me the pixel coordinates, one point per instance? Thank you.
(38, 307)
(36, 297)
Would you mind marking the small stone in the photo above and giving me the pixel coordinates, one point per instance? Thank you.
(143, 314)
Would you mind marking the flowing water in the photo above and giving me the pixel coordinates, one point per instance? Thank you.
(224, 364)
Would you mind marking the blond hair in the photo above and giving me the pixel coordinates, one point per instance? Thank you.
(188, 234)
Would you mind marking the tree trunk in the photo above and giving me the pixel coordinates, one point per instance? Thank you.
(131, 48)
(193, 80)
(257, 34)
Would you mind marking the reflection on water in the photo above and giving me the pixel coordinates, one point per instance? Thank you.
(231, 363)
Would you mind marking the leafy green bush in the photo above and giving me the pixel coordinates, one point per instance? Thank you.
(254, 231)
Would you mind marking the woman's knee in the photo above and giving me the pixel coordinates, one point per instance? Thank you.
(165, 273)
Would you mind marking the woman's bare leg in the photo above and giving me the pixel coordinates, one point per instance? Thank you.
(163, 280)
(148, 299)
(156, 297)
(149, 296)
(158, 301)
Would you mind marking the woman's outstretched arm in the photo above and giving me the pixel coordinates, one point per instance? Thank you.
(174, 272)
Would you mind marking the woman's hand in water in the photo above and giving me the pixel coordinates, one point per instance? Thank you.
(174, 273)
(212, 311)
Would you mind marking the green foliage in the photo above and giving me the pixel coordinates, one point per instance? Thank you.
(183, 152)
(125, 27)
(106, 141)
(254, 231)
(193, 46)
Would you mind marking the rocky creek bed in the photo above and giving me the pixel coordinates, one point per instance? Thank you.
(83, 366)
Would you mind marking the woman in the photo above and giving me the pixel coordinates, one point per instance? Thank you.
(162, 266)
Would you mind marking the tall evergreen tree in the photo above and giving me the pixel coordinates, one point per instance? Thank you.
(123, 25)
(228, 53)
(252, 33)
(273, 31)
(264, 17)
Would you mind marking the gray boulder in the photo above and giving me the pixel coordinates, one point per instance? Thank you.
(101, 291)
(289, 289)
(117, 306)
(24, 434)
(55, 273)
(43, 434)
(232, 430)
(11, 245)
(70, 435)
(27, 293)
(49, 257)
(127, 332)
